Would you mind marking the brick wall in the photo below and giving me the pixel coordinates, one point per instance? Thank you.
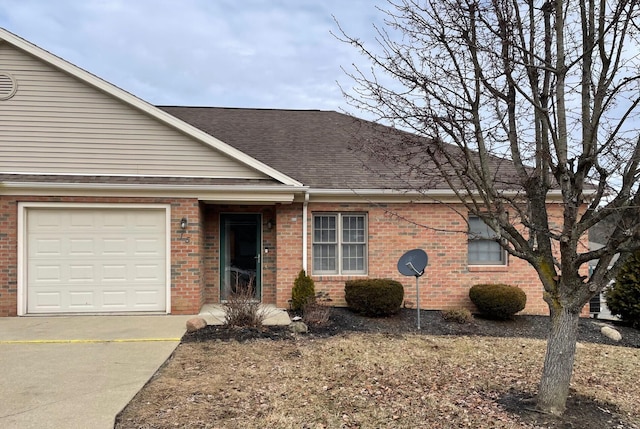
(187, 276)
(8, 257)
(394, 229)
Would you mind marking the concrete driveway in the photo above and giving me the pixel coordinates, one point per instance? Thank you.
(80, 371)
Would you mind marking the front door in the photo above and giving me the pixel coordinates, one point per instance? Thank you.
(240, 250)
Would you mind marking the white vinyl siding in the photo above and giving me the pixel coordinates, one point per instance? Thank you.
(55, 124)
(339, 243)
(483, 249)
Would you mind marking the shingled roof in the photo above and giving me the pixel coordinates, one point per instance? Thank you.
(323, 149)
(312, 146)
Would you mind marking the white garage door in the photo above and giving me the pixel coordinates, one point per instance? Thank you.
(95, 260)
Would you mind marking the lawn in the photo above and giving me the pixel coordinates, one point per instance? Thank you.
(371, 380)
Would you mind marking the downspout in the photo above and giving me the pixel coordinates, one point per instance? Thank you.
(305, 206)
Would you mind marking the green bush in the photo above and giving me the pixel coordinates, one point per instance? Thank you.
(498, 301)
(303, 291)
(623, 298)
(459, 315)
(374, 297)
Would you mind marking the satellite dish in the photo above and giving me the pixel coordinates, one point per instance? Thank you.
(413, 263)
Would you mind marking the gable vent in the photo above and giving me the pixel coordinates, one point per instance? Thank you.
(8, 86)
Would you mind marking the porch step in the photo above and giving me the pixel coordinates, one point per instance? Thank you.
(214, 314)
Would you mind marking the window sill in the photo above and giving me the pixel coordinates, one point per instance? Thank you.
(337, 277)
(487, 268)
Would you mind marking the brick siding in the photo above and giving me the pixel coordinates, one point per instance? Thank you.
(394, 229)
(187, 276)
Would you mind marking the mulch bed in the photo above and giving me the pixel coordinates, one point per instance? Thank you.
(342, 321)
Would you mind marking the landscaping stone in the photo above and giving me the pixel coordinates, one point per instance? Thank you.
(196, 324)
(609, 332)
(299, 328)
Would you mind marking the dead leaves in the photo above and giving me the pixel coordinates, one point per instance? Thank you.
(358, 381)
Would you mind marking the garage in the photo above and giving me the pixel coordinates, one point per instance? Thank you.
(95, 260)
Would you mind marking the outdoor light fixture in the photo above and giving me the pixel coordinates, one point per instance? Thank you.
(183, 226)
(270, 224)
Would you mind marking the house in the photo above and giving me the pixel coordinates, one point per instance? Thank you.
(110, 204)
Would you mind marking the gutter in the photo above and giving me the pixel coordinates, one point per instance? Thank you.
(232, 193)
(305, 228)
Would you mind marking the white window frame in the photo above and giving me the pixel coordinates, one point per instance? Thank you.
(339, 243)
(489, 239)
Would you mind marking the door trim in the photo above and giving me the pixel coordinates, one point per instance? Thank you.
(21, 238)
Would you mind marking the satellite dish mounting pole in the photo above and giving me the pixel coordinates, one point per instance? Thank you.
(407, 268)
(417, 275)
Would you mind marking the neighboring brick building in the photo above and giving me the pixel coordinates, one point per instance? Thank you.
(109, 204)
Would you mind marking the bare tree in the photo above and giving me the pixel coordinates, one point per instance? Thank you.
(518, 103)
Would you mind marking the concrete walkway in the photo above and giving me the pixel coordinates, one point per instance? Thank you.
(79, 371)
(214, 314)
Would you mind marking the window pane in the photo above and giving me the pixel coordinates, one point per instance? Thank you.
(353, 257)
(353, 229)
(482, 251)
(325, 258)
(324, 229)
(479, 229)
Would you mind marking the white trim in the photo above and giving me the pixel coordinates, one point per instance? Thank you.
(339, 242)
(23, 207)
(305, 231)
(399, 196)
(217, 193)
(145, 107)
(181, 176)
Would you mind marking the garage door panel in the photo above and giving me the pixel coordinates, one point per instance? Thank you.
(146, 298)
(46, 247)
(148, 247)
(82, 273)
(105, 260)
(49, 300)
(115, 298)
(83, 299)
(82, 247)
(147, 273)
(47, 273)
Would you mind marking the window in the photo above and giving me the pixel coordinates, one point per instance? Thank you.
(483, 250)
(339, 243)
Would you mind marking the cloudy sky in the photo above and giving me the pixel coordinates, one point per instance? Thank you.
(229, 53)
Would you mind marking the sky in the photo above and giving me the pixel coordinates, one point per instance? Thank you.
(224, 53)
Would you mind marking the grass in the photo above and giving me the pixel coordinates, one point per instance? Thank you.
(372, 381)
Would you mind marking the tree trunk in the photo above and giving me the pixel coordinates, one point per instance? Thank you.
(558, 362)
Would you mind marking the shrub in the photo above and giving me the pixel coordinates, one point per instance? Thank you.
(498, 301)
(623, 298)
(242, 309)
(374, 297)
(317, 311)
(459, 315)
(303, 291)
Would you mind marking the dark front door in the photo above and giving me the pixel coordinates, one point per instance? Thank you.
(240, 250)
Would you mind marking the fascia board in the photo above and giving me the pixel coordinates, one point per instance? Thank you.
(399, 196)
(238, 193)
(145, 107)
